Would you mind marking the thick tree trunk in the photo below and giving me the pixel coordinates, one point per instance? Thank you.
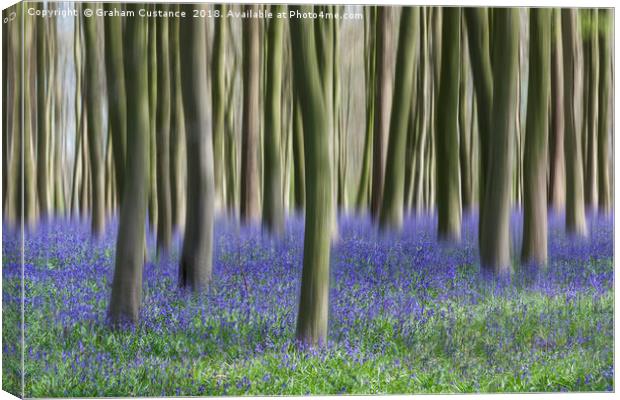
(557, 185)
(313, 305)
(197, 255)
(126, 294)
(164, 228)
(536, 140)
(604, 143)
(384, 61)
(117, 101)
(494, 222)
(575, 210)
(393, 194)
(273, 210)
(447, 149)
(94, 88)
(250, 180)
(465, 131)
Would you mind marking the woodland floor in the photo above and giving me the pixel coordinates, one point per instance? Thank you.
(407, 315)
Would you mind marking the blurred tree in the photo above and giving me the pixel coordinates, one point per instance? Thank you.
(384, 61)
(393, 194)
(197, 254)
(164, 228)
(94, 89)
(218, 68)
(592, 75)
(126, 296)
(557, 189)
(575, 211)
(313, 304)
(273, 209)
(495, 220)
(534, 248)
(117, 107)
(604, 143)
(448, 169)
(153, 92)
(250, 178)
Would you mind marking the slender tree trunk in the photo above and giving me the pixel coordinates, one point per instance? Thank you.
(250, 179)
(196, 258)
(117, 107)
(164, 229)
(536, 140)
(218, 67)
(384, 61)
(575, 210)
(42, 147)
(591, 190)
(298, 156)
(153, 92)
(177, 129)
(477, 20)
(447, 150)
(604, 192)
(313, 305)
(494, 222)
(126, 294)
(273, 211)
(94, 88)
(392, 205)
(557, 186)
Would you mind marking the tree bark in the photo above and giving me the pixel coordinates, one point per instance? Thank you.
(94, 88)
(557, 178)
(604, 143)
(384, 61)
(117, 106)
(447, 149)
(393, 194)
(575, 210)
(591, 190)
(250, 180)
(196, 258)
(534, 248)
(313, 305)
(164, 228)
(126, 294)
(494, 222)
(218, 67)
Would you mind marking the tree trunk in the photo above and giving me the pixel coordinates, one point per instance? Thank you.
(117, 106)
(94, 88)
(536, 140)
(465, 131)
(164, 228)
(313, 305)
(250, 180)
(126, 294)
(393, 194)
(218, 67)
(591, 190)
(273, 211)
(42, 117)
(384, 61)
(196, 259)
(494, 222)
(153, 92)
(575, 210)
(298, 156)
(557, 186)
(177, 130)
(604, 192)
(447, 149)
(477, 20)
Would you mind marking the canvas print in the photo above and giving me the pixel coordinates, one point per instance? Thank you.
(280, 199)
